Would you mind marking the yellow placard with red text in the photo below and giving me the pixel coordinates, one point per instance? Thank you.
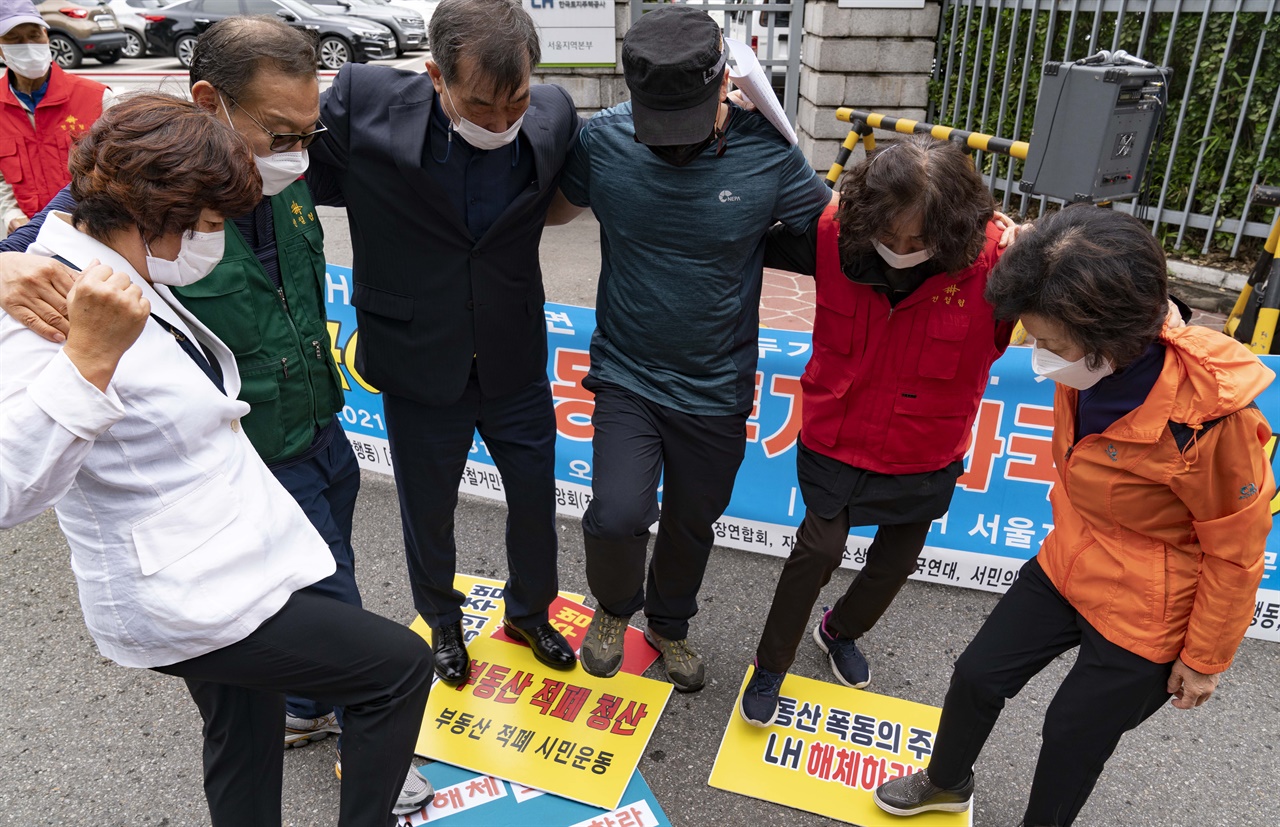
(565, 732)
(482, 607)
(829, 749)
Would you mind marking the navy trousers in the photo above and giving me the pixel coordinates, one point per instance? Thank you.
(429, 450)
(326, 486)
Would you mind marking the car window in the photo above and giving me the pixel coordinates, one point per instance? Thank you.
(220, 6)
(302, 9)
(260, 7)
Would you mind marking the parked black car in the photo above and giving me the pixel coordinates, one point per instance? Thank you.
(172, 30)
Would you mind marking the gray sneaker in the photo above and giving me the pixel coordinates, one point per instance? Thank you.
(684, 667)
(298, 732)
(602, 645)
(415, 793)
(915, 793)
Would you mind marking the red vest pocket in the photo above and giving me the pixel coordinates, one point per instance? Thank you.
(928, 429)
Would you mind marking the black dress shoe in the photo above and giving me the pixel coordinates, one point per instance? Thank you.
(548, 645)
(451, 654)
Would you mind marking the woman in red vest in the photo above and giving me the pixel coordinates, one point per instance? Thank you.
(902, 346)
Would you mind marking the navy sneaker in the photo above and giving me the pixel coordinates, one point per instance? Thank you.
(847, 662)
(759, 704)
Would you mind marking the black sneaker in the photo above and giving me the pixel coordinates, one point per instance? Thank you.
(847, 662)
(915, 793)
(759, 704)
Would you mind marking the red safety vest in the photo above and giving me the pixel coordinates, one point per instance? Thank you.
(895, 390)
(34, 161)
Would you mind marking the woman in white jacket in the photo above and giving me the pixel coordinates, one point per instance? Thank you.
(190, 558)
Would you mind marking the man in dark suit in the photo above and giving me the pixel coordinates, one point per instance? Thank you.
(447, 178)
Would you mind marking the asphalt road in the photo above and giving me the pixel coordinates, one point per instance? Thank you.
(88, 742)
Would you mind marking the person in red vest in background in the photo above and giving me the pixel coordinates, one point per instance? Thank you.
(43, 110)
(903, 344)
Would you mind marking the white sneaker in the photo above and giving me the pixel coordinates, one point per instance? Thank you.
(298, 732)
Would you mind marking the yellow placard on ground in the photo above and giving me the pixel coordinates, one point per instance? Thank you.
(830, 747)
(565, 732)
(482, 607)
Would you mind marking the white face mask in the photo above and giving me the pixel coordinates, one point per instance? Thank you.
(198, 254)
(1075, 374)
(28, 60)
(280, 169)
(901, 262)
(477, 135)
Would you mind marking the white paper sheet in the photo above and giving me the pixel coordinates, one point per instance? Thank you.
(748, 75)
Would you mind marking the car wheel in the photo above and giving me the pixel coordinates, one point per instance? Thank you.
(65, 51)
(184, 48)
(109, 57)
(133, 45)
(334, 52)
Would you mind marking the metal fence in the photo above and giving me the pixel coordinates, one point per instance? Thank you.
(1220, 127)
(774, 29)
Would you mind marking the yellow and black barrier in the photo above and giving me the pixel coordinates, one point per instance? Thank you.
(1256, 315)
(861, 123)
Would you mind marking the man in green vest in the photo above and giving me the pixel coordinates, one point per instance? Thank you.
(266, 301)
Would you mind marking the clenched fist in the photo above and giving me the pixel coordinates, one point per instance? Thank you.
(106, 312)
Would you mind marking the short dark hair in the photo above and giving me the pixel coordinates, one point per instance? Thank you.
(1097, 272)
(230, 53)
(155, 162)
(918, 173)
(497, 35)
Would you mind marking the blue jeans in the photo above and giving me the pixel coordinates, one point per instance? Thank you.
(325, 486)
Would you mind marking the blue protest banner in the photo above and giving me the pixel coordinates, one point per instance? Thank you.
(998, 517)
(470, 800)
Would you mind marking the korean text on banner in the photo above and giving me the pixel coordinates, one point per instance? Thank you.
(471, 800)
(830, 747)
(566, 732)
(999, 515)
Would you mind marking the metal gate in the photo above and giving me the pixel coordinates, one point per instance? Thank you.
(1220, 130)
(773, 29)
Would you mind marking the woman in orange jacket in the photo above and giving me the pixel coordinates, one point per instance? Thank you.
(1160, 517)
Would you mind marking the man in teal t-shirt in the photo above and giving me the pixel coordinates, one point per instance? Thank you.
(684, 186)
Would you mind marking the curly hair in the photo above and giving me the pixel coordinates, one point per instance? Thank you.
(155, 162)
(1098, 273)
(918, 174)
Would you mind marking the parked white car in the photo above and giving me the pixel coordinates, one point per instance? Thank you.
(129, 13)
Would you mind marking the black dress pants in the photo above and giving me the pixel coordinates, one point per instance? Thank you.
(819, 548)
(331, 652)
(636, 443)
(1108, 692)
(429, 450)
